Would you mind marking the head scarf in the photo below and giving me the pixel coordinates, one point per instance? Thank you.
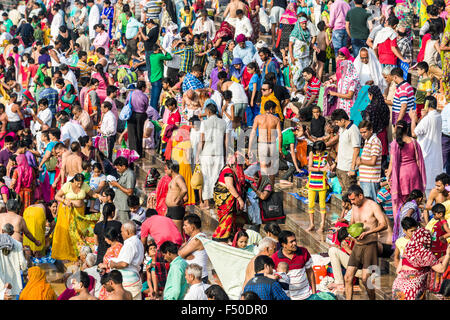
(349, 76)
(68, 97)
(40, 74)
(418, 252)
(237, 73)
(24, 173)
(348, 56)
(376, 69)
(346, 53)
(29, 97)
(240, 38)
(377, 112)
(289, 16)
(37, 287)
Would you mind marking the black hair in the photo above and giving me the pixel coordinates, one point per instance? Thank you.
(342, 234)
(319, 146)
(310, 71)
(114, 276)
(423, 65)
(365, 124)
(150, 212)
(112, 234)
(445, 288)
(171, 102)
(432, 10)
(109, 210)
(438, 208)
(339, 114)
(78, 177)
(355, 189)
(250, 295)
(261, 261)
(345, 198)
(121, 161)
(270, 105)
(401, 128)
(227, 94)
(414, 195)
(216, 292)
(321, 25)
(253, 65)
(9, 139)
(133, 201)
(432, 102)
(443, 177)
(397, 71)
(222, 75)
(284, 235)
(173, 166)
(168, 247)
(408, 223)
(107, 105)
(273, 228)
(392, 21)
(84, 279)
(194, 220)
(109, 192)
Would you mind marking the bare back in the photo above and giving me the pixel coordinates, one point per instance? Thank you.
(72, 164)
(267, 125)
(16, 221)
(233, 6)
(120, 294)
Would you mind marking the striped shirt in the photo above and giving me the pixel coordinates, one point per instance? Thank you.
(317, 180)
(385, 200)
(187, 58)
(372, 147)
(152, 9)
(403, 94)
(313, 88)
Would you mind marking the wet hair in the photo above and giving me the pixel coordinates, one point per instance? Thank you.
(273, 228)
(284, 235)
(319, 146)
(355, 189)
(216, 292)
(193, 219)
(408, 223)
(261, 261)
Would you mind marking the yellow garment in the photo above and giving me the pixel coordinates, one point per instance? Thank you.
(68, 192)
(46, 36)
(423, 12)
(186, 17)
(424, 85)
(447, 209)
(433, 221)
(312, 200)
(72, 231)
(35, 219)
(179, 155)
(400, 244)
(92, 57)
(271, 97)
(37, 287)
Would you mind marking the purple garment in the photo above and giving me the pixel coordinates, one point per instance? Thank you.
(338, 12)
(152, 114)
(4, 156)
(139, 101)
(30, 159)
(329, 105)
(44, 59)
(397, 231)
(214, 77)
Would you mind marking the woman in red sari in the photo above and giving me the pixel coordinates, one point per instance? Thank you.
(23, 181)
(225, 33)
(228, 199)
(415, 267)
(253, 15)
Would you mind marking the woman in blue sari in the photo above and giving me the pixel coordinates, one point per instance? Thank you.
(107, 17)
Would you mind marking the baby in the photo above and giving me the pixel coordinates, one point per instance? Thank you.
(5, 293)
(282, 276)
(191, 104)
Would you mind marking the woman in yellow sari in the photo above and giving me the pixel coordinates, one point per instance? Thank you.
(73, 229)
(37, 287)
(181, 146)
(35, 220)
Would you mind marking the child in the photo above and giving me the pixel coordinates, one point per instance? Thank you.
(343, 220)
(186, 16)
(317, 123)
(137, 213)
(213, 79)
(317, 182)
(150, 287)
(409, 225)
(86, 166)
(97, 182)
(283, 278)
(440, 232)
(167, 92)
(384, 194)
(5, 293)
(211, 59)
(240, 239)
(236, 70)
(323, 41)
(107, 196)
(199, 51)
(424, 86)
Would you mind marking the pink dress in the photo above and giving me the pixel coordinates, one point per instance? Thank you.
(101, 91)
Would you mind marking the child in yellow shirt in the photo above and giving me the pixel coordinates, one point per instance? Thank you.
(424, 86)
(187, 16)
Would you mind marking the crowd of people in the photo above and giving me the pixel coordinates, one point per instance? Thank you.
(242, 101)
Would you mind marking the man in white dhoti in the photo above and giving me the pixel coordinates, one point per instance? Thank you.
(94, 17)
(429, 135)
(211, 151)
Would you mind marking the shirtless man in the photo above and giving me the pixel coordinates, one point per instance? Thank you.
(176, 195)
(267, 247)
(62, 152)
(364, 254)
(20, 227)
(71, 164)
(230, 11)
(267, 124)
(3, 120)
(437, 195)
(113, 284)
(80, 284)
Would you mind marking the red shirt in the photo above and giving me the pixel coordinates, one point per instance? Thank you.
(299, 260)
(385, 54)
(174, 118)
(161, 229)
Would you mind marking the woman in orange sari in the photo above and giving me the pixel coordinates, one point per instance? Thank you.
(37, 287)
(23, 181)
(112, 237)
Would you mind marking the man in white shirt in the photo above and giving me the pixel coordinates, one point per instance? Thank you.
(204, 24)
(129, 260)
(94, 18)
(70, 131)
(197, 288)
(428, 132)
(57, 22)
(43, 120)
(69, 75)
(108, 126)
(243, 25)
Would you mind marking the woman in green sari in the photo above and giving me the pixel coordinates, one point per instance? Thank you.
(68, 99)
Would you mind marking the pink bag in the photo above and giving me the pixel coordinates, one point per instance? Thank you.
(130, 155)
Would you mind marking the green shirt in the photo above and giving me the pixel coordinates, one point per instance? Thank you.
(176, 285)
(357, 17)
(8, 24)
(157, 66)
(288, 138)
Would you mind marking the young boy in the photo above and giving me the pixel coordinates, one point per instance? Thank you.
(424, 86)
(211, 60)
(322, 43)
(384, 196)
(317, 123)
(137, 213)
(409, 225)
(186, 16)
(213, 78)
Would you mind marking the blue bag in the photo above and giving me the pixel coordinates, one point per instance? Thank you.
(126, 111)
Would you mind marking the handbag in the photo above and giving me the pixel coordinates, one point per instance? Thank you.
(272, 207)
(51, 163)
(127, 110)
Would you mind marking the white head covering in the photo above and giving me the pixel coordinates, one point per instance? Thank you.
(376, 69)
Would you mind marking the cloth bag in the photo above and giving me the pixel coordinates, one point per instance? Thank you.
(127, 110)
(197, 178)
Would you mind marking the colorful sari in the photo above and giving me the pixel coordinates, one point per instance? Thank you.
(73, 230)
(35, 219)
(412, 284)
(445, 58)
(254, 19)
(46, 178)
(37, 287)
(227, 205)
(111, 252)
(161, 193)
(349, 81)
(226, 33)
(67, 100)
(24, 176)
(397, 231)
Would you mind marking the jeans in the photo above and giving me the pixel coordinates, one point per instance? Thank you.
(147, 62)
(339, 40)
(156, 92)
(370, 189)
(357, 44)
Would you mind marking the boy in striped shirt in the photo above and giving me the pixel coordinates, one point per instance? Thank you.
(404, 99)
(370, 161)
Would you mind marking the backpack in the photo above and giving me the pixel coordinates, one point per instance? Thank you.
(152, 178)
(126, 76)
(272, 207)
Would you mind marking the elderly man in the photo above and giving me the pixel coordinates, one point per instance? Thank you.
(130, 259)
(12, 263)
(197, 287)
(266, 247)
(176, 284)
(244, 50)
(203, 24)
(428, 132)
(369, 69)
